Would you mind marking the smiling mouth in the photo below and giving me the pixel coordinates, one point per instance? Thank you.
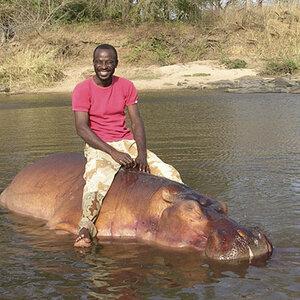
(104, 73)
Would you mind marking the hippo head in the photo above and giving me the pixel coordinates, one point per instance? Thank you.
(195, 221)
(238, 244)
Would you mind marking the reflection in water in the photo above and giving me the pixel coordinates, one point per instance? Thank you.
(241, 149)
(33, 129)
(112, 269)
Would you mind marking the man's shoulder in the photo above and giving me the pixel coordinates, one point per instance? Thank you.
(127, 90)
(84, 84)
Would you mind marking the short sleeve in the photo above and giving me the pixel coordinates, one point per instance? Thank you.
(132, 96)
(81, 97)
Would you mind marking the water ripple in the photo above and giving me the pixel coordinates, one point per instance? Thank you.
(240, 149)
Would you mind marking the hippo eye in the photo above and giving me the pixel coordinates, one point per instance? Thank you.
(193, 207)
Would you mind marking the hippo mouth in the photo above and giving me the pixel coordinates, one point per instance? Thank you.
(242, 244)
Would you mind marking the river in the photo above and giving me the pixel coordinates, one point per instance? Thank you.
(243, 149)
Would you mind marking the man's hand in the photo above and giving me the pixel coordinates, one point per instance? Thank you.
(141, 162)
(122, 158)
(140, 138)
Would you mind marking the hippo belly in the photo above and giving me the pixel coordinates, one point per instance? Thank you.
(137, 205)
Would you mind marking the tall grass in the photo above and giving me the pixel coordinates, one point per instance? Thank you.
(29, 67)
(264, 34)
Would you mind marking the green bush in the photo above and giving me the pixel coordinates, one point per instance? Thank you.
(234, 63)
(287, 66)
(77, 12)
(154, 47)
(194, 51)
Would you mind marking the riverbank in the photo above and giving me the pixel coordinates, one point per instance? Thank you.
(198, 74)
(208, 74)
(238, 50)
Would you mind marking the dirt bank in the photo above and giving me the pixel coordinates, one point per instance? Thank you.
(198, 74)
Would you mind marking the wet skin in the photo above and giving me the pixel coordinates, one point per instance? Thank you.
(83, 239)
(137, 205)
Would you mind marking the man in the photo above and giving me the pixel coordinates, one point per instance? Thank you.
(98, 104)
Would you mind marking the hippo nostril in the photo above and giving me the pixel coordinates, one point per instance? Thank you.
(257, 232)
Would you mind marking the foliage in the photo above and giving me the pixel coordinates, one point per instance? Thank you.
(154, 47)
(76, 12)
(43, 13)
(165, 48)
(198, 75)
(194, 51)
(280, 67)
(234, 63)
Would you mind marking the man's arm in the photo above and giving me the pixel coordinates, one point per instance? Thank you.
(139, 136)
(85, 132)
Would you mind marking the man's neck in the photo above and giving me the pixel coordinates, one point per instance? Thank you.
(102, 83)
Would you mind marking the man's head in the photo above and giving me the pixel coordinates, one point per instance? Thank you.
(105, 60)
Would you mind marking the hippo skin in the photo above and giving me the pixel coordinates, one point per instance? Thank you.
(137, 205)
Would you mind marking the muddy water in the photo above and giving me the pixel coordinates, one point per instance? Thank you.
(241, 149)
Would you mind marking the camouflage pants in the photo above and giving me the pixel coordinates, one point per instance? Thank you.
(99, 173)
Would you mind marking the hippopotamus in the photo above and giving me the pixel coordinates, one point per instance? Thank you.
(138, 205)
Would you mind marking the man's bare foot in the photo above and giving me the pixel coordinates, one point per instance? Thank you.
(83, 239)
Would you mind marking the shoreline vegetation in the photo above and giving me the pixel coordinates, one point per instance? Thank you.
(47, 46)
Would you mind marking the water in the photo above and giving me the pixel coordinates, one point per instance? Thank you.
(241, 149)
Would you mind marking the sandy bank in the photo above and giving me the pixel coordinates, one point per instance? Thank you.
(193, 75)
(198, 74)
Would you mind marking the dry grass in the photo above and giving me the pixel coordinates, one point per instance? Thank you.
(270, 33)
(29, 67)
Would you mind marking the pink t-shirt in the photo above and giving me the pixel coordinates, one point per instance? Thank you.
(106, 106)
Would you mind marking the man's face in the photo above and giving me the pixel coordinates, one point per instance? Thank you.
(104, 65)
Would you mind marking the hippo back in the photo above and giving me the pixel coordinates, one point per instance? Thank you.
(40, 189)
(51, 189)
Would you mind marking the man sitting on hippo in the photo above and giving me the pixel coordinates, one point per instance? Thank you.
(99, 104)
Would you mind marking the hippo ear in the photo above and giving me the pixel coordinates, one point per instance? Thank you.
(169, 194)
